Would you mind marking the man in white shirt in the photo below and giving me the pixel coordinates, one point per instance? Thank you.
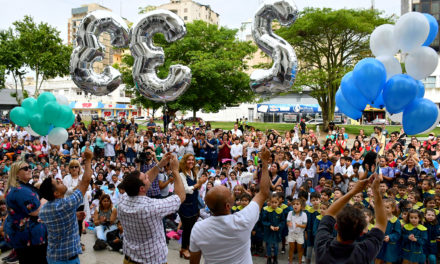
(236, 131)
(225, 237)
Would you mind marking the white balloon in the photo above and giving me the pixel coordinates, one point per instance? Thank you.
(395, 117)
(392, 65)
(31, 132)
(421, 62)
(61, 99)
(433, 125)
(382, 42)
(58, 136)
(411, 31)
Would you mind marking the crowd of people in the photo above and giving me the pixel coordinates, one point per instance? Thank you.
(343, 199)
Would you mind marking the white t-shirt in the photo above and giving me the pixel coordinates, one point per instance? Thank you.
(296, 219)
(226, 238)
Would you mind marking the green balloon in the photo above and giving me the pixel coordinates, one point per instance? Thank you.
(30, 105)
(19, 116)
(38, 125)
(69, 122)
(51, 112)
(65, 117)
(45, 98)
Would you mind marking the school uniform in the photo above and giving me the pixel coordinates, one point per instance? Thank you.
(431, 244)
(311, 218)
(388, 250)
(413, 250)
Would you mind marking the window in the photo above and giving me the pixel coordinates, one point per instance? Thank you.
(435, 7)
(426, 8)
(185, 18)
(415, 7)
(185, 10)
(430, 82)
(79, 93)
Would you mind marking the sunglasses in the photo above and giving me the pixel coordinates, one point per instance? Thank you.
(26, 168)
(74, 167)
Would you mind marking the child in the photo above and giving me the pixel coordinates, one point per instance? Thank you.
(284, 231)
(414, 237)
(429, 204)
(312, 213)
(389, 247)
(414, 198)
(326, 195)
(244, 201)
(323, 208)
(431, 224)
(273, 221)
(401, 189)
(427, 189)
(115, 238)
(296, 221)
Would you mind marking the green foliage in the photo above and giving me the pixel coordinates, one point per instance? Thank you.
(328, 44)
(37, 47)
(217, 61)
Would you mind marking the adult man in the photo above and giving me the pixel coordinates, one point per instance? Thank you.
(225, 238)
(350, 225)
(151, 126)
(141, 216)
(236, 131)
(59, 215)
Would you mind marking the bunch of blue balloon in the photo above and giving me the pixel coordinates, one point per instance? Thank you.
(380, 83)
(47, 115)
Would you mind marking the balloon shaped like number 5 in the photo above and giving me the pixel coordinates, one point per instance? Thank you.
(281, 76)
(90, 50)
(148, 57)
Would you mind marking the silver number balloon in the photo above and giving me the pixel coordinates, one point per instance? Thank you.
(281, 76)
(90, 50)
(148, 57)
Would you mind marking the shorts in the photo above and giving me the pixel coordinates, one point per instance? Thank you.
(295, 237)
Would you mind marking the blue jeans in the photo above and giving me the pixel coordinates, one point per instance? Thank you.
(101, 231)
(74, 261)
(269, 246)
(432, 259)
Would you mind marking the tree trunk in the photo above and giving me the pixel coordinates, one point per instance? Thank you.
(194, 114)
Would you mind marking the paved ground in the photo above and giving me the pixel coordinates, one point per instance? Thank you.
(106, 257)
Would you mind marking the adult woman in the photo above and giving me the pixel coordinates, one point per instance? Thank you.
(189, 209)
(104, 218)
(130, 150)
(409, 167)
(428, 167)
(99, 143)
(224, 148)
(23, 230)
(110, 142)
(341, 142)
(71, 182)
(210, 147)
(275, 178)
(304, 144)
(373, 145)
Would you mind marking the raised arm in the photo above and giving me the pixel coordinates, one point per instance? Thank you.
(153, 172)
(85, 181)
(379, 209)
(263, 194)
(178, 184)
(337, 206)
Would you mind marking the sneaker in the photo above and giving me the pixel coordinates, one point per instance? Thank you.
(121, 251)
(283, 251)
(13, 260)
(11, 255)
(109, 248)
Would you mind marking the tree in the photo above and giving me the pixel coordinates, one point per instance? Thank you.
(42, 50)
(217, 61)
(328, 44)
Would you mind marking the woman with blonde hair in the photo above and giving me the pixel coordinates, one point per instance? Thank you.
(26, 234)
(189, 209)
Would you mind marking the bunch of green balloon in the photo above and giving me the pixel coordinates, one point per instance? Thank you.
(43, 114)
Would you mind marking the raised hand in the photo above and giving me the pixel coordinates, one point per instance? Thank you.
(88, 154)
(264, 154)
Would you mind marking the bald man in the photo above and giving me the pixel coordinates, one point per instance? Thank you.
(225, 237)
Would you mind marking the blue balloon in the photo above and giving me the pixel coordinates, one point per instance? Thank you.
(419, 115)
(433, 29)
(345, 107)
(379, 103)
(369, 76)
(399, 91)
(349, 90)
(420, 89)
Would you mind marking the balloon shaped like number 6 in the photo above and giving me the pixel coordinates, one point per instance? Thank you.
(148, 57)
(90, 50)
(281, 76)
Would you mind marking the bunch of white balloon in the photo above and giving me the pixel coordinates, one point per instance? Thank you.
(412, 34)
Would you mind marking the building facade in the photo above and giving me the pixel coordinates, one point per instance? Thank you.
(190, 10)
(111, 55)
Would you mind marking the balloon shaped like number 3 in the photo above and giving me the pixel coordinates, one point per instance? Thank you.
(148, 57)
(90, 50)
(281, 76)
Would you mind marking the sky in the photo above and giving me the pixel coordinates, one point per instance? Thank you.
(232, 12)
